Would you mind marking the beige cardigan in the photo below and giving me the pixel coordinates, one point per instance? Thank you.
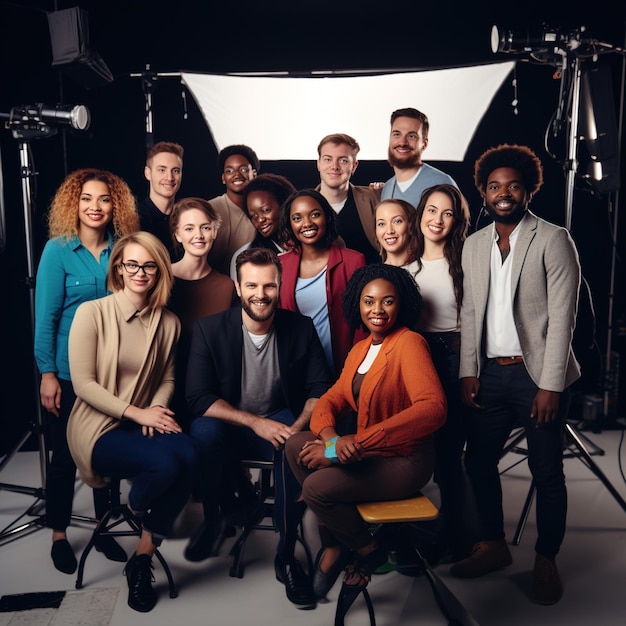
(103, 391)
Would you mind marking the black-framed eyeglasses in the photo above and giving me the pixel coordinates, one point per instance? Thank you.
(132, 268)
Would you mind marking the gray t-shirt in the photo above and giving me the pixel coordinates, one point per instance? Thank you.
(261, 392)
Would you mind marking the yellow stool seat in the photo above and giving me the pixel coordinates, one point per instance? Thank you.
(416, 509)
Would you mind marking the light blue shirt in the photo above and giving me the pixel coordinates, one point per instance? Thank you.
(427, 176)
(68, 275)
(311, 301)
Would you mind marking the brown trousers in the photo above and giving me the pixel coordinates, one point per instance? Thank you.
(333, 492)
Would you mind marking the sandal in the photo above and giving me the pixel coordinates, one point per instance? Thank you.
(363, 566)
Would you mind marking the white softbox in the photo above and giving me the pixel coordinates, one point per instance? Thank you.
(284, 117)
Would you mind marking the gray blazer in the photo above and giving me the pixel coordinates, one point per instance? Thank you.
(545, 283)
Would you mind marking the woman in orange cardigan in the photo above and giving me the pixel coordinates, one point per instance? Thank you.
(390, 382)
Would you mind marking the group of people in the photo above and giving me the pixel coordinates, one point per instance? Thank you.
(356, 336)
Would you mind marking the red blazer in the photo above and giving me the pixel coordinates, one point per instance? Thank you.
(401, 402)
(342, 262)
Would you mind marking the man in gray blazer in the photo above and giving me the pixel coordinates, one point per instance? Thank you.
(521, 283)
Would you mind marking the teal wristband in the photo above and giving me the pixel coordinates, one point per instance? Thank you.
(330, 451)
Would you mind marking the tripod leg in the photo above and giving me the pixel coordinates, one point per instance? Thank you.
(592, 465)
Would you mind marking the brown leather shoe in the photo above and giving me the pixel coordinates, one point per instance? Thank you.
(547, 587)
(486, 556)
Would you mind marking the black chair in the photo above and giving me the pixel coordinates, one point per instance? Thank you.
(258, 513)
(118, 515)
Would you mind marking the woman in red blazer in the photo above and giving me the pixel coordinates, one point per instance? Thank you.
(316, 271)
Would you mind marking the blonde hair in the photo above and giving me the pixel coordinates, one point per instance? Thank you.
(160, 293)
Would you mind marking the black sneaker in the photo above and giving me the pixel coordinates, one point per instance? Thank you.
(138, 572)
(298, 585)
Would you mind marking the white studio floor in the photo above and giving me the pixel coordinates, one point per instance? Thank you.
(592, 562)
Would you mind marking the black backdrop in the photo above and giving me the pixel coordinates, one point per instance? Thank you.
(270, 36)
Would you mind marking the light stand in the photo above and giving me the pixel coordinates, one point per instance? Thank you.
(29, 123)
(551, 46)
(148, 85)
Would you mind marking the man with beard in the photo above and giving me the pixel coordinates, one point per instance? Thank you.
(255, 373)
(237, 165)
(407, 141)
(520, 296)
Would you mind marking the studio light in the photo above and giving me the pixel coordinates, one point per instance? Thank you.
(41, 120)
(507, 41)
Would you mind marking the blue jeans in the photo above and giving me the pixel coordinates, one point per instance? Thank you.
(506, 393)
(162, 469)
(220, 443)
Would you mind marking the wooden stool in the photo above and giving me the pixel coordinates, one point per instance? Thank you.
(409, 511)
(117, 515)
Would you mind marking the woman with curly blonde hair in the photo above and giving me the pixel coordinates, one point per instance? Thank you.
(91, 209)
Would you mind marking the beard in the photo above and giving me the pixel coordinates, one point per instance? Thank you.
(262, 316)
(408, 162)
(512, 218)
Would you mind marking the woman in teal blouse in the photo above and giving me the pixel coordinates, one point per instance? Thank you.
(90, 209)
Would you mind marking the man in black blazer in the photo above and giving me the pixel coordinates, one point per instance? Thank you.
(255, 373)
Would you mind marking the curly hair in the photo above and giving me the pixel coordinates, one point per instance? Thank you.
(63, 214)
(245, 151)
(454, 240)
(520, 158)
(275, 184)
(408, 293)
(164, 279)
(285, 232)
(409, 214)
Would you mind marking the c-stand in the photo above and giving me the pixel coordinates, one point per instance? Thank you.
(564, 50)
(27, 123)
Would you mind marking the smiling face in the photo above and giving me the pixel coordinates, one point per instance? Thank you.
(237, 173)
(264, 212)
(380, 305)
(195, 232)
(336, 165)
(138, 281)
(258, 289)
(506, 199)
(392, 232)
(406, 143)
(165, 174)
(95, 206)
(437, 218)
(308, 221)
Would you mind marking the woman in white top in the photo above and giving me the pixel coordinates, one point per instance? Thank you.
(427, 242)
(440, 228)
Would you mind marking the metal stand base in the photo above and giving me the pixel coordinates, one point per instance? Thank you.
(576, 445)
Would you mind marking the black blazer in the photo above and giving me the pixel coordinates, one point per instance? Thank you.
(214, 367)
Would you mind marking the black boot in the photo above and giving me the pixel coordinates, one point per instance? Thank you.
(138, 572)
